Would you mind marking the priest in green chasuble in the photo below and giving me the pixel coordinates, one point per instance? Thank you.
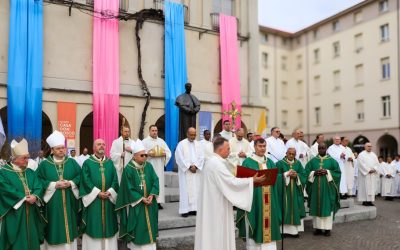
(21, 225)
(260, 226)
(60, 176)
(98, 189)
(293, 195)
(322, 188)
(136, 202)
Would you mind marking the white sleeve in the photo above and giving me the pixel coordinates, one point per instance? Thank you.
(183, 163)
(113, 197)
(89, 198)
(74, 189)
(51, 189)
(19, 204)
(311, 177)
(329, 176)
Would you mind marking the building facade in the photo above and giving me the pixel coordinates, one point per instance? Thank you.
(337, 77)
(67, 66)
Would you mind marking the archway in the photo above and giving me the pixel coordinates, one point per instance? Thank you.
(47, 129)
(218, 127)
(358, 143)
(387, 145)
(160, 123)
(86, 132)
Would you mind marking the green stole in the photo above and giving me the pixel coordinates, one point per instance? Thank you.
(21, 228)
(264, 217)
(293, 193)
(138, 224)
(99, 219)
(323, 196)
(61, 211)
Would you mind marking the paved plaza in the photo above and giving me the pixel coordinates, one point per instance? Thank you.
(383, 233)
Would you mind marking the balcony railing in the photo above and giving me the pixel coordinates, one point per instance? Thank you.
(215, 22)
(123, 4)
(159, 5)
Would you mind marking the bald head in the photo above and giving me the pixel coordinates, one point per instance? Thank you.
(191, 134)
(322, 149)
(296, 134)
(240, 134)
(336, 139)
(291, 154)
(368, 147)
(99, 147)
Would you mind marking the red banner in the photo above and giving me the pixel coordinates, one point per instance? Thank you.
(66, 121)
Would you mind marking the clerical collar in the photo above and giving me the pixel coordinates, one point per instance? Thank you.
(288, 161)
(260, 159)
(100, 159)
(58, 161)
(323, 157)
(16, 168)
(137, 165)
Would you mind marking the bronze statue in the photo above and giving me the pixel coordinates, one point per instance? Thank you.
(188, 106)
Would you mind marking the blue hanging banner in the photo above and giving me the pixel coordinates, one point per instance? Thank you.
(175, 71)
(25, 72)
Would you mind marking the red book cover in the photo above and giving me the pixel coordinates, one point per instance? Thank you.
(271, 174)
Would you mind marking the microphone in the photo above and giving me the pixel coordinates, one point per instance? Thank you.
(273, 156)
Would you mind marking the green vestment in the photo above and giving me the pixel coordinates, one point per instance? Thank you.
(264, 218)
(138, 223)
(323, 196)
(61, 211)
(21, 228)
(99, 220)
(293, 196)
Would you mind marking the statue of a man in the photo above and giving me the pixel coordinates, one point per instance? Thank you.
(188, 106)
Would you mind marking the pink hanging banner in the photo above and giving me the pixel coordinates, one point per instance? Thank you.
(230, 79)
(105, 71)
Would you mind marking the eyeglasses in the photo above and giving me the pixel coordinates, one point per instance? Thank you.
(143, 155)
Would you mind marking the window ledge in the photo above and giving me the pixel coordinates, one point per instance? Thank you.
(384, 40)
(359, 84)
(385, 79)
(337, 123)
(386, 118)
(359, 121)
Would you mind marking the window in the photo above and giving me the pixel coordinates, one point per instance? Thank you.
(299, 61)
(337, 113)
(223, 6)
(358, 42)
(300, 118)
(299, 89)
(336, 80)
(336, 49)
(316, 56)
(386, 106)
(283, 61)
(284, 41)
(264, 38)
(298, 40)
(384, 31)
(335, 25)
(265, 59)
(383, 6)
(284, 118)
(315, 34)
(317, 84)
(265, 83)
(359, 74)
(317, 111)
(284, 89)
(357, 17)
(385, 66)
(360, 110)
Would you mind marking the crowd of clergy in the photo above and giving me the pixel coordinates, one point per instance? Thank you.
(113, 202)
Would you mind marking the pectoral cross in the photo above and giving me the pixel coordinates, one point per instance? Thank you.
(233, 113)
(141, 185)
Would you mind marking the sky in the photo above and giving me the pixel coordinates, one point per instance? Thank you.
(294, 15)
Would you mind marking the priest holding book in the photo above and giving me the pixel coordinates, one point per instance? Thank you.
(260, 226)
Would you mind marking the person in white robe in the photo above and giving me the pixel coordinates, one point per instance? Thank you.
(227, 130)
(121, 151)
(314, 148)
(380, 172)
(159, 155)
(367, 171)
(83, 157)
(337, 152)
(355, 185)
(276, 148)
(207, 145)
(189, 157)
(302, 149)
(389, 188)
(348, 165)
(396, 163)
(220, 190)
(240, 148)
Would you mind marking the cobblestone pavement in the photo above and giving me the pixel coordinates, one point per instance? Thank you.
(383, 233)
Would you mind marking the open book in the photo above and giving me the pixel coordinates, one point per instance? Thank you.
(243, 172)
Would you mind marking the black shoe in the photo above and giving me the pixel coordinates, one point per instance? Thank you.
(389, 198)
(192, 213)
(159, 206)
(318, 232)
(371, 204)
(327, 233)
(365, 203)
(343, 196)
(185, 215)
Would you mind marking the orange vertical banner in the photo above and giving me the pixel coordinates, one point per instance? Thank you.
(66, 121)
